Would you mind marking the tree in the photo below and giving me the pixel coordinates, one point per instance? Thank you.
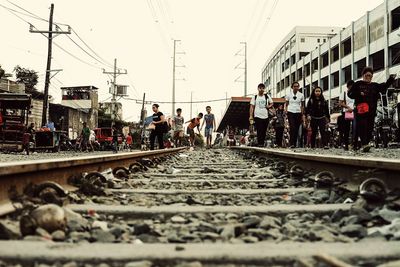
(27, 77)
(1, 72)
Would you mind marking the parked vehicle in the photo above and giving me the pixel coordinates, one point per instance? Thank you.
(104, 137)
(14, 111)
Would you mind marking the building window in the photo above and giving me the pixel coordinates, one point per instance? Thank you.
(346, 47)
(335, 79)
(293, 77)
(303, 54)
(324, 60)
(314, 65)
(335, 53)
(302, 40)
(359, 66)
(325, 83)
(377, 60)
(395, 19)
(300, 73)
(293, 59)
(324, 40)
(394, 54)
(286, 64)
(286, 81)
(318, 40)
(307, 69)
(307, 91)
(346, 74)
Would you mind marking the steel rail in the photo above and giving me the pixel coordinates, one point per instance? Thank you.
(59, 170)
(355, 169)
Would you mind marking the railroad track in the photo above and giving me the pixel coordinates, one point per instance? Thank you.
(203, 208)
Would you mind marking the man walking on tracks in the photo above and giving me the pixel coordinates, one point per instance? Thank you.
(259, 105)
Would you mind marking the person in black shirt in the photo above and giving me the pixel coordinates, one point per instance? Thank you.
(317, 111)
(365, 94)
(158, 121)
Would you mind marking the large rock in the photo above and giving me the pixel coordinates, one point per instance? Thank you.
(49, 217)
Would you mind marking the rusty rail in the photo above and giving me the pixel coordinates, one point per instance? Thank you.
(20, 174)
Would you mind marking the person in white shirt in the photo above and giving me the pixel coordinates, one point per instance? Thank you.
(259, 105)
(347, 117)
(294, 109)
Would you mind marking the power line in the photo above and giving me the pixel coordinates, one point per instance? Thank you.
(86, 52)
(30, 13)
(104, 61)
(268, 19)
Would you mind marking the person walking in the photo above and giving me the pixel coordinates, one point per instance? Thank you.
(294, 108)
(259, 105)
(209, 120)
(85, 135)
(158, 131)
(177, 123)
(346, 120)
(317, 112)
(365, 94)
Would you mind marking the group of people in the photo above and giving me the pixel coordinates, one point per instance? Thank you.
(160, 126)
(358, 110)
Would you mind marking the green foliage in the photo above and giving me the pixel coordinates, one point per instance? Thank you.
(27, 77)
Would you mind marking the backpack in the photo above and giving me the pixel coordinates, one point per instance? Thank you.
(271, 111)
(165, 128)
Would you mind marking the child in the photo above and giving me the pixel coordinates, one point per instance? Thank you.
(209, 119)
(177, 123)
(195, 122)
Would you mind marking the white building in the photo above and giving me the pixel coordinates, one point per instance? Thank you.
(304, 56)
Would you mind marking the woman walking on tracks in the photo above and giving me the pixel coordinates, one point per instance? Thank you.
(318, 114)
(158, 131)
(365, 94)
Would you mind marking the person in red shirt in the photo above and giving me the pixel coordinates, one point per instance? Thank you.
(195, 122)
(129, 141)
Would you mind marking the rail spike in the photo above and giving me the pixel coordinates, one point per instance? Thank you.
(121, 172)
(373, 190)
(324, 179)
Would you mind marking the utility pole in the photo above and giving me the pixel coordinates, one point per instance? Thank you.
(244, 68)
(49, 55)
(191, 104)
(174, 66)
(142, 118)
(113, 92)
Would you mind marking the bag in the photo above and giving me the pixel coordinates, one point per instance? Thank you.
(151, 127)
(348, 116)
(362, 108)
(165, 127)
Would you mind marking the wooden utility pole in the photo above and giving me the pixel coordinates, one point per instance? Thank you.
(49, 55)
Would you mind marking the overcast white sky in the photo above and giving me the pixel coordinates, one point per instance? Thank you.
(140, 33)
